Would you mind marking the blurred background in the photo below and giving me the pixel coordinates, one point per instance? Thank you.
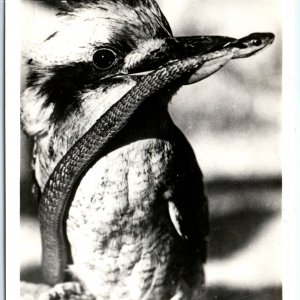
(233, 121)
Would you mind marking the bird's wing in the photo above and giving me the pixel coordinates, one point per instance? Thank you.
(188, 207)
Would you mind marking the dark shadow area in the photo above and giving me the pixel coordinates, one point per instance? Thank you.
(239, 208)
(234, 231)
(31, 274)
(29, 201)
(29, 198)
(242, 184)
(231, 195)
(224, 293)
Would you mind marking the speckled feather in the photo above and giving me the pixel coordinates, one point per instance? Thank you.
(125, 245)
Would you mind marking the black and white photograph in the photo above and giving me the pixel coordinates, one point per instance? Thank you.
(150, 163)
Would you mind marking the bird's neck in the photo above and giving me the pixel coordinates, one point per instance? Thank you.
(150, 121)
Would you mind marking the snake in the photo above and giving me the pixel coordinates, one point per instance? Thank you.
(59, 189)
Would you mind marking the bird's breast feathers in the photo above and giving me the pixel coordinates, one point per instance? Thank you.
(118, 224)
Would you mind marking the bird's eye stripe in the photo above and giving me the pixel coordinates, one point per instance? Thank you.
(104, 58)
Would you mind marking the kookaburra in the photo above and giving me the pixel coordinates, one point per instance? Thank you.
(135, 225)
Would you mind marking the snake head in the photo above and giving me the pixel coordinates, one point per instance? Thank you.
(251, 44)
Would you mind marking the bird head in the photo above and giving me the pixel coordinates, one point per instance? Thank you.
(95, 52)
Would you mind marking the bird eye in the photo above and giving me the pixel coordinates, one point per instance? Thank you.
(104, 58)
(256, 42)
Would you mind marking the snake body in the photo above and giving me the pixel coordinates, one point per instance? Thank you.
(59, 188)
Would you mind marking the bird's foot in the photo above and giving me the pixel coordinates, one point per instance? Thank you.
(66, 291)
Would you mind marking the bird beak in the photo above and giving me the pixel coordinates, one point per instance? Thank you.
(176, 48)
(143, 61)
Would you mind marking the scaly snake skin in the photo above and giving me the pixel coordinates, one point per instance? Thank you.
(61, 183)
